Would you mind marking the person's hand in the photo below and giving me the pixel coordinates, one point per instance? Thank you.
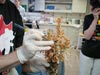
(38, 63)
(96, 13)
(32, 43)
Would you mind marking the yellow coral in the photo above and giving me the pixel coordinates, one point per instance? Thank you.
(61, 43)
(56, 53)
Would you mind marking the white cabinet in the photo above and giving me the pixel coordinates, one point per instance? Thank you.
(39, 5)
(58, 6)
(79, 6)
(66, 6)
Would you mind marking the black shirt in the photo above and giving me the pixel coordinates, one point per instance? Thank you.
(91, 48)
(10, 13)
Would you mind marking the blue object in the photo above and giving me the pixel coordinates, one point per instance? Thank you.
(51, 7)
(19, 69)
(38, 73)
(61, 68)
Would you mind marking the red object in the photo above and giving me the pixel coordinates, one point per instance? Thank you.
(3, 25)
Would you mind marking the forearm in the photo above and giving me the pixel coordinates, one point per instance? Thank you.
(8, 61)
(89, 32)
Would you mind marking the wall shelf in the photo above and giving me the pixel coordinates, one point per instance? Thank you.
(57, 2)
(58, 11)
(62, 24)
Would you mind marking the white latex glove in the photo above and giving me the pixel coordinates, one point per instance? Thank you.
(31, 44)
(38, 63)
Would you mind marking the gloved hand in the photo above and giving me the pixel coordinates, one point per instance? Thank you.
(32, 43)
(38, 63)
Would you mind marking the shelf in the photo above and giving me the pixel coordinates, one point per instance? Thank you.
(62, 24)
(58, 2)
(58, 11)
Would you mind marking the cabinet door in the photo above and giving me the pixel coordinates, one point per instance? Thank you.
(79, 6)
(72, 33)
(39, 5)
